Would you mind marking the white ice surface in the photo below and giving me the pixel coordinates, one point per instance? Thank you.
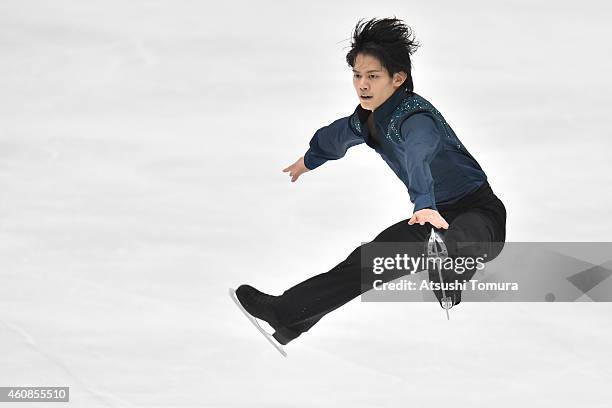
(141, 148)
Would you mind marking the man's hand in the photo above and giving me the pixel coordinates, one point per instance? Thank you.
(428, 215)
(296, 169)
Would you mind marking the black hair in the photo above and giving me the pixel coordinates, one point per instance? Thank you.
(389, 40)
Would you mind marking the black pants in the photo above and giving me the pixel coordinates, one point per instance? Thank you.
(479, 217)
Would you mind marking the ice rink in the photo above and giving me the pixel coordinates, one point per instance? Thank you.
(141, 149)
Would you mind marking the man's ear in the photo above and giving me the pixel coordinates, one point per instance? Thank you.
(399, 77)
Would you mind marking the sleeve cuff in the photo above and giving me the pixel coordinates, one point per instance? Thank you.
(311, 162)
(424, 201)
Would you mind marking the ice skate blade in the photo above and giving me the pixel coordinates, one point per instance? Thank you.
(447, 303)
(267, 335)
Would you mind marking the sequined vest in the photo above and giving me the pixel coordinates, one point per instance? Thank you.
(409, 105)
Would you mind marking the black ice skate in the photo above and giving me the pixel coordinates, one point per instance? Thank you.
(257, 305)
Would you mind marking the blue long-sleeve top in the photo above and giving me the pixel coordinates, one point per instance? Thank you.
(414, 140)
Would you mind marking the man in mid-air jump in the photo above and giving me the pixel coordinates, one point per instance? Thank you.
(447, 186)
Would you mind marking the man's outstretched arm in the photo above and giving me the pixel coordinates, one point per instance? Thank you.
(328, 143)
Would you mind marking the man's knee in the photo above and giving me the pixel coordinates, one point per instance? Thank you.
(462, 240)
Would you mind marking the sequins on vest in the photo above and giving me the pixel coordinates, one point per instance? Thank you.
(410, 105)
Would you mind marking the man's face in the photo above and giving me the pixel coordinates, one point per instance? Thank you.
(372, 82)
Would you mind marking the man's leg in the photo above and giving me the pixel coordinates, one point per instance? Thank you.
(302, 306)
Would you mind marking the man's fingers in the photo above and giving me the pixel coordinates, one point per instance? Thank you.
(439, 222)
(422, 219)
(292, 173)
(443, 223)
